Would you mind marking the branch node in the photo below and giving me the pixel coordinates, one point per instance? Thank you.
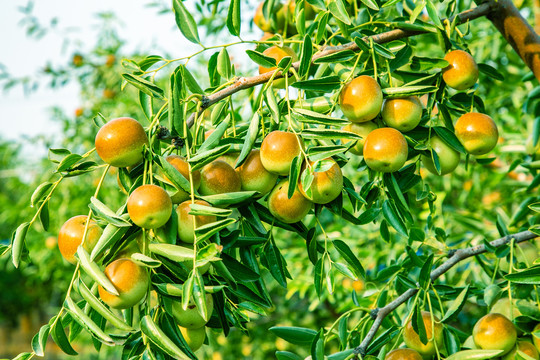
(163, 133)
(451, 252)
(374, 313)
(177, 142)
(205, 102)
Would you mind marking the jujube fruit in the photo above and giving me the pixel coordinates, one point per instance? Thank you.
(71, 234)
(477, 132)
(434, 335)
(278, 150)
(194, 337)
(288, 210)
(362, 129)
(403, 354)
(120, 142)
(149, 206)
(253, 175)
(218, 177)
(191, 318)
(182, 166)
(361, 99)
(385, 150)
(462, 71)
(448, 157)
(327, 182)
(187, 222)
(495, 332)
(524, 346)
(278, 53)
(403, 114)
(130, 280)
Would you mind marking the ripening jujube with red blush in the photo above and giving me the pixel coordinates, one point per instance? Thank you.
(130, 280)
(253, 175)
(278, 53)
(288, 210)
(149, 206)
(477, 133)
(327, 181)
(385, 150)
(434, 332)
(120, 142)
(278, 150)
(71, 235)
(362, 129)
(361, 99)
(495, 332)
(218, 177)
(187, 222)
(462, 71)
(403, 114)
(182, 166)
(448, 157)
(403, 354)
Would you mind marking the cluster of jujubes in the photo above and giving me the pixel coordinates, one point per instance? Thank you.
(493, 331)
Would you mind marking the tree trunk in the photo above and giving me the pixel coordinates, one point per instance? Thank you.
(518, 33)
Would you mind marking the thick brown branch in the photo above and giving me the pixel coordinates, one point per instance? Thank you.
(459, 255)
(248, 82)
(517, 31)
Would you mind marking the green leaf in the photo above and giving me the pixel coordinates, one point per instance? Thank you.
(456, 305)
(382, 51)
(146, 105)
(286, 355)
(424, 277)
(261, 59)
(206, 231)
(158, 337)
(391, 215)
(530, 276)
(276, 262)
(294, 175)
(475, 355)
(409, 90)
(323, 84)
(110, 236)
(317, 153)
(191, 82)
(418, 324)
(93, 270)
(238, 270)
(305, 57)
(197, 209)
(40, 193)
(433, 14)
(101, 210)
(86, 322)
(313, 117)
(60, 338)
(144, 85)
(68, 162)
(294, 335)
(44, 216)
(185, 22)
(39, 341)
(349, 256)
(329, 134)
(371, 4)
(100, 308)
(449, 138)
(490, 71)
(338, 9)
(17, 243)
(176, 94)
(224, 64)
(228, 199)
(251, 136)
(419, 63)
(174, 252)
(233, 18)
(337, 57)
(206, 157)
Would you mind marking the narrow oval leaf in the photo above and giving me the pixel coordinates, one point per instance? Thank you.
(233, 18)
(475, 355)
(158, 337)
(17, 243)
(60, 338)
(185, 22)
(103, 211)
(294, 335)
(93, 270)
(40, 192)
(87, 323)
(173, 252)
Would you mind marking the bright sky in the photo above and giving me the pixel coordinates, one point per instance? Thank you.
(23, 114)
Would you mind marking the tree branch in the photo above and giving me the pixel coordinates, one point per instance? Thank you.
(248, 82)
(517, 31)
(457, 256)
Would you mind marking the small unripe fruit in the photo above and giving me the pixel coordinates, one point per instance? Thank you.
(495, 332)
(182, 166)
(190, 318)
(434, 335)
(524, 346)
(362, 129)
(288, 210)
(403, 354)
(327, 182)
(278, 53)
(278, 150)
(385, 150)
(71, 235)
(504, 307)
(448, 157)
(403, 114)
(120, 142)
(149, 206)
(477, 132)
(253, 175)
(361, 99)
(462, 72)
(194, 337)
(187, 223)
(218, 177)
(130, 280)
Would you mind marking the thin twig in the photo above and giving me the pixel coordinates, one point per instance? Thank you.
(458, 255)
(248, 82)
